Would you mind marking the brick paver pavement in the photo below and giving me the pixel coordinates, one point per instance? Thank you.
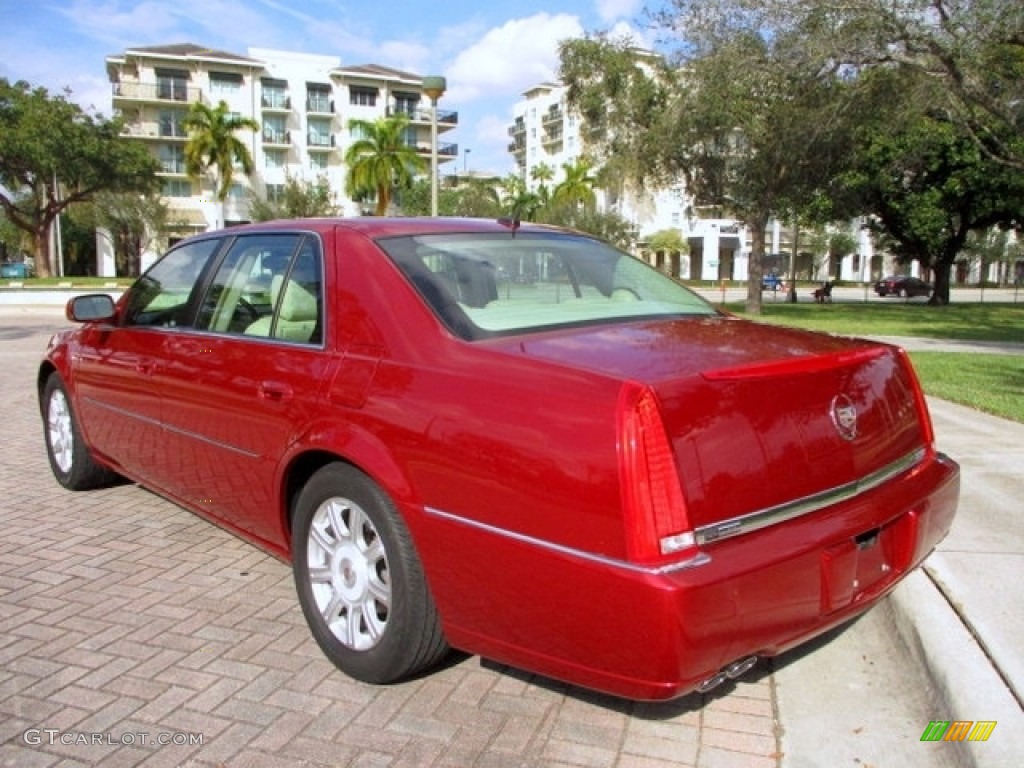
(125, 620)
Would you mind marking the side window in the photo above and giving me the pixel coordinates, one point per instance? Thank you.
(161, 296)
(296, 295)
(240, 294)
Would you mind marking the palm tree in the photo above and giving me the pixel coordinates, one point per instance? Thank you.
(380, 160)
(213, 144)
(577, 188)
(542, 173)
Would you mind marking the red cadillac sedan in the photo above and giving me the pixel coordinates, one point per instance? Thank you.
(512, 440)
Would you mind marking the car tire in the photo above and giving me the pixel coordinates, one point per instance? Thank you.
(70, 459)
(359, 580)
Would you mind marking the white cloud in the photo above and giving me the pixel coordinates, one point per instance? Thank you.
(510, 58)
(613, 10)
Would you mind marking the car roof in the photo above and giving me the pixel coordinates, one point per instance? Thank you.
(374, 226)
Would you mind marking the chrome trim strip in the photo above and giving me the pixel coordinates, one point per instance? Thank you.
(651, 570)
(754, 521)
(169, 428)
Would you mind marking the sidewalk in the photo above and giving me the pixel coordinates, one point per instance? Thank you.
(963, 613)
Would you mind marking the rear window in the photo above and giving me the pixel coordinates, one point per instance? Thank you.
(483, 285)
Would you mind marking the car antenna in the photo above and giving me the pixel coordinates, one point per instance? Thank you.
(511, 223)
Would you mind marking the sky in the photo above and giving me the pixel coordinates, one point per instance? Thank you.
(490, 51)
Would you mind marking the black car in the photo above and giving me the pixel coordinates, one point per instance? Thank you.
(902, 286)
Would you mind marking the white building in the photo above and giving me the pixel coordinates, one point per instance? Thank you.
(303, 103)
(545, 131)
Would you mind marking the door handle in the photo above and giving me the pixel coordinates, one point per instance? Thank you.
(275, 391)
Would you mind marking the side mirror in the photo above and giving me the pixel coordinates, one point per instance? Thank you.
(90, 308)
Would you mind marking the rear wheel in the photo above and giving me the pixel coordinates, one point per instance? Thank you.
(70, 459)
(359, 579)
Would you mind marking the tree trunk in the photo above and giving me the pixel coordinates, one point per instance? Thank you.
(940, 291)
(755, 269)
(43, 267)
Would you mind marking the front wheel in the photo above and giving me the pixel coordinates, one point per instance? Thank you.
(72, 464)
(359, 579)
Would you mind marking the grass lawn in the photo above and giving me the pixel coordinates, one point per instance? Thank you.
(61, 282)
(972, 322)
(991, 383)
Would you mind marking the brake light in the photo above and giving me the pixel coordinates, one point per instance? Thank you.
(923, 415)
(655, 518)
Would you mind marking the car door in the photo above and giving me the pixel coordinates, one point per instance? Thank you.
(116, 366)
(239, 387)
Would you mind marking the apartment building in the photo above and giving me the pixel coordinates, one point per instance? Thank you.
(302, 102)
(546, 131)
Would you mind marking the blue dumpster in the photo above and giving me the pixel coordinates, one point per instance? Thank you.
(16, 271)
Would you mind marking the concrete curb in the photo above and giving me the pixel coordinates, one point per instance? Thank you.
(969, 685)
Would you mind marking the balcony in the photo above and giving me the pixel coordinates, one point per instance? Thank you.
(275, 102)
(446, 118)
(141, 129)
(552, 137)
(172, 168)
(517, 147)
(317, 142)
(519, 129)
(160, 93)
(277, 138)
(553, 115)
(317, 106)
(444, 151)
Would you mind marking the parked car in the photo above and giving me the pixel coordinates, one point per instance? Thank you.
(512, 440)
(902, 286)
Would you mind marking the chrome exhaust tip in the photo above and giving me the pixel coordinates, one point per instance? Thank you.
(712, 682)
(740, 667)
(730, 672)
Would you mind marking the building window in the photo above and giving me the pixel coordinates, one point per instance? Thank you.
(237, 192)
(225, 84)
(172, 86)
(407, 103)
(275, 193)
(362, 97)
(176, 188)
(318, 161)
(275, 95)
(319, 133)
(318, 98)
(172, 158)
(274, 158)
(274, 130)
(170, 123)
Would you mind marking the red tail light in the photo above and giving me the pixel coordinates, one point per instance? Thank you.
(923, 416)
(656, 523)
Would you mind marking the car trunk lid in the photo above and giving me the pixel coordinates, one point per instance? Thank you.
(759, 418)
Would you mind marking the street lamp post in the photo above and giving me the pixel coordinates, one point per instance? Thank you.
(434, 87)
(465, 160)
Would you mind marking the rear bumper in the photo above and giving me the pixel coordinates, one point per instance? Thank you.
(644, 634)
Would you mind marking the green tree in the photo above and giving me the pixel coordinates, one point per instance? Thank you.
(52, 155)
(608, 226)
(576, 189)
(300, 199)
(751, 128)
(972, 51)
(380, 160)
(926, 180)
(213, 145)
